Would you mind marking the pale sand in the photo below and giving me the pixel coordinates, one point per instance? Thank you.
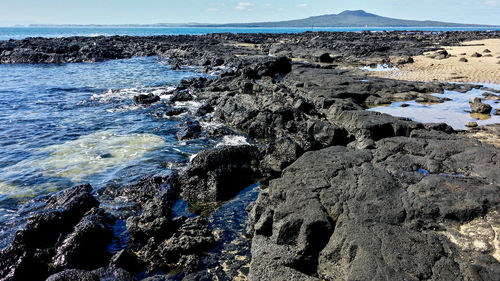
(485, 69)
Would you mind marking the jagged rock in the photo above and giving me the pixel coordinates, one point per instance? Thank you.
(127, 260)
(204, 110)
(85, 246)
(30, 255)
(190, 130)
(219, 174)
(181, 96)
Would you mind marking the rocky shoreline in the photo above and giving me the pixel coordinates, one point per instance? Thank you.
(347, 194)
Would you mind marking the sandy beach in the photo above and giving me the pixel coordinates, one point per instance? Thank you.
(460, 65)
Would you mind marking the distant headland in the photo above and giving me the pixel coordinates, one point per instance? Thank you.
(358, 18)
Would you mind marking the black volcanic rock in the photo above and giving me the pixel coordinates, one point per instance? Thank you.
(219, 174)
(31, 255)
(190, 130)
(146, 98)
(342, 213)
(85, 247)
(477, 106)
(325, 58)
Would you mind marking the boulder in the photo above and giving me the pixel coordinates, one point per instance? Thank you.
(31, 254)
(181, 96)
(190, 130)
(325, 58)
(477, 106)
(146, 98)
(219, 174)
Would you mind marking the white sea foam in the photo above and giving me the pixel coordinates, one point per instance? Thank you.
(233, 140)
(129, 93)
(192, 106)
(89, 154)
(379, 67)
(192, 157)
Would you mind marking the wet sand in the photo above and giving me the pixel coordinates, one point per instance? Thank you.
(483, 69)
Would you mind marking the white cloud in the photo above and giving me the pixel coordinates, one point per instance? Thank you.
(492, 2)
(303, 5)
(212, 10)
(243, 6)
(268, 5)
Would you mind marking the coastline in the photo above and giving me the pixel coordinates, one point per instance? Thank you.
(346, 193)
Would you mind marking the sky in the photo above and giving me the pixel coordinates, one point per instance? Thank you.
(228, 11)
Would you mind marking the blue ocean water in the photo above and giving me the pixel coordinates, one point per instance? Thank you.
(7, 33)
(62, 125)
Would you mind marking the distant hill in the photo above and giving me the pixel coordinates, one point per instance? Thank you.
(357, 18)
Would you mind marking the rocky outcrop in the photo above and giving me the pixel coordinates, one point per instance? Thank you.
(342, 213)
(347, 193)
(219, 174)
(69, 232)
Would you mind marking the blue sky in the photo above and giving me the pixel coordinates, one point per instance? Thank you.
(224, 11)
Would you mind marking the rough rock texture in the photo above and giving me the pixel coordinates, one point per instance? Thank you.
(65, 233)
(146, 99)
(160, 241)
(341, 213)
(351, 194)
(477, 106)
(219, 174)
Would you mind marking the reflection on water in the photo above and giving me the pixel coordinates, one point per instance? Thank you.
(455, 113)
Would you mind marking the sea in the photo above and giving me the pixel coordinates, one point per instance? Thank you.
(7, 33)
(69, 124)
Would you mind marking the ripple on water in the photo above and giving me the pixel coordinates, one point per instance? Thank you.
(78, 159)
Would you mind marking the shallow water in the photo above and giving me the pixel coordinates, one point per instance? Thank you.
(453, 113)
(63, 125)
(230, 260)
